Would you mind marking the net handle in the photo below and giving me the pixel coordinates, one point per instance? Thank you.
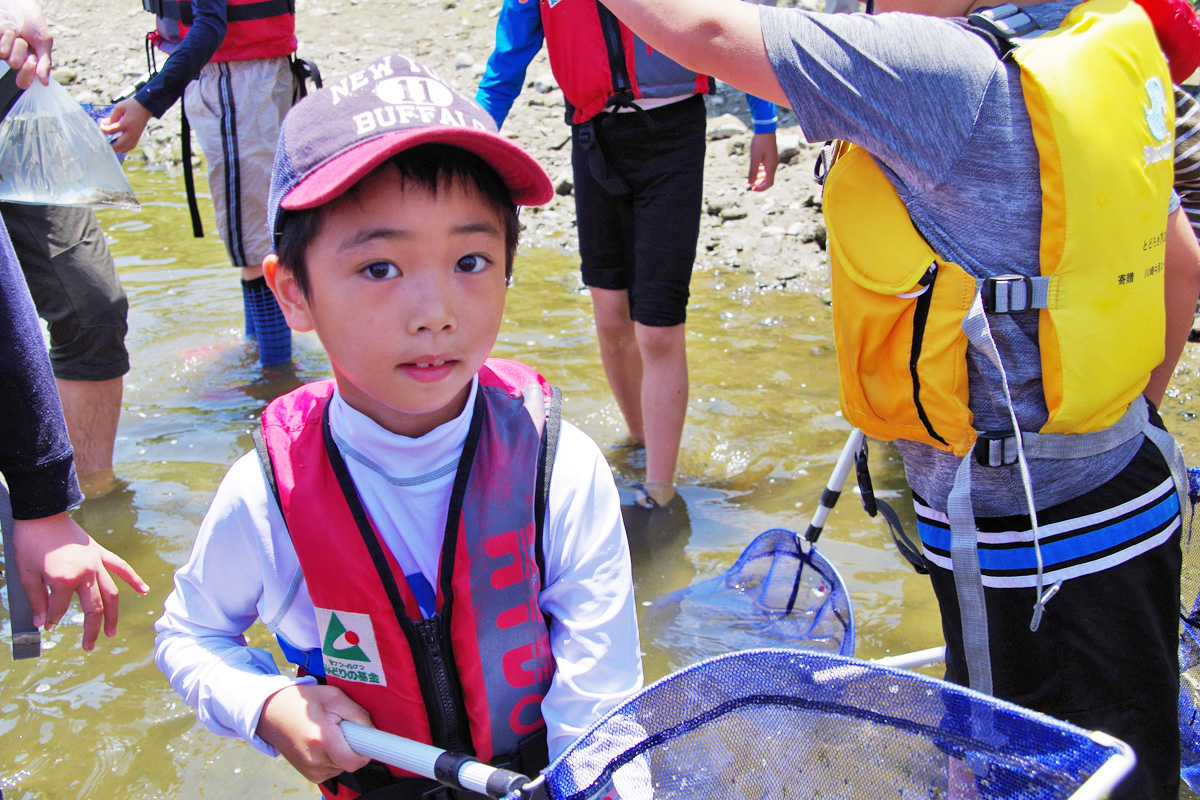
(456, 770)
(833, 489)
(1110, 773)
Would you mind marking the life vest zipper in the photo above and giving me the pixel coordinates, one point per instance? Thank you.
(920, 317)
(439, 684)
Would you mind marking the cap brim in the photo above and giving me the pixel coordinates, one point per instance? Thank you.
(524, 176)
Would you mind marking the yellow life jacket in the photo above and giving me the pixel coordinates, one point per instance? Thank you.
(1098, 94)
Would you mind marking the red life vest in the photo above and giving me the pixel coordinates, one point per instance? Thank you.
(600, 63)
(471, 678)
(254, 28)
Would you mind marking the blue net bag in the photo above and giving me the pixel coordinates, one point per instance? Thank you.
(762, 724)
(780, 592)
(1189, 645)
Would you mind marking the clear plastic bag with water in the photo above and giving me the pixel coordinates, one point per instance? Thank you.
(53, 153)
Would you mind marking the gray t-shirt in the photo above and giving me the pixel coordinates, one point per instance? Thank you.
(946, 120)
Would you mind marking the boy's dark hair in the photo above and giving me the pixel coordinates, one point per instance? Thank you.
(429, 166)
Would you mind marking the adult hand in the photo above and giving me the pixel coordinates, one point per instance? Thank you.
(57, 559)
(25, 41)
(128, 118)
(764, 160)
(301, 722)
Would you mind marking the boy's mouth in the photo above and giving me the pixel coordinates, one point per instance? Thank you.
(429, 370)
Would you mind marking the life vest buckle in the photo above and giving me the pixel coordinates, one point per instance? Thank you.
(996, 448)
(1007, 294)
(1006, 21)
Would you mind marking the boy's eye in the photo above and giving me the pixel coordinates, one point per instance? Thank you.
(381, 269)
(471, 263)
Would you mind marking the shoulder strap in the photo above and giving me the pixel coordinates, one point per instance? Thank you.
(545, 467)
(999, 26)
(268, 468)
(622, 86)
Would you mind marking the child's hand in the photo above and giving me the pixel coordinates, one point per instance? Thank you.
(57, 559)
(128, 118)
(301, 722)
(764, 159)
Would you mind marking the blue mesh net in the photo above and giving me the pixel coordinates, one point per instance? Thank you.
(776, 594)
(1189, 645)
(762, 724)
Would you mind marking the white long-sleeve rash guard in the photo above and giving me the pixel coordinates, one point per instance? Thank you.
(243, 567)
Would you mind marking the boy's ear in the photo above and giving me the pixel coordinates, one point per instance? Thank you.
(287, 292)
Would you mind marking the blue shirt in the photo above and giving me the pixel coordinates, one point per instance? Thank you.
(188, 55)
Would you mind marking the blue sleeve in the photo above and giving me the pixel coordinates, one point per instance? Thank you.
(202, 40)
(518, 39)
(35, 453)
(762, 113)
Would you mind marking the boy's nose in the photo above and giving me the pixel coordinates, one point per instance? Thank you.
(432, 310)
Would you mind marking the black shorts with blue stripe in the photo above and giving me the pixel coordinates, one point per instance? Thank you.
(1105, 656)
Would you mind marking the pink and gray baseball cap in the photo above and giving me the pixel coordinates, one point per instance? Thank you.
(333, 138)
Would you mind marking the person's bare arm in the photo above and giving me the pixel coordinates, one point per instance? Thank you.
(764, 161)
(1182, 274)
(721, 38)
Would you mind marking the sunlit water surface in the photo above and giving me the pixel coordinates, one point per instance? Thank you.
(762, 434)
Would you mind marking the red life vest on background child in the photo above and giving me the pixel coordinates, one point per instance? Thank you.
(472, 677)
(599, 63)
(254, 29)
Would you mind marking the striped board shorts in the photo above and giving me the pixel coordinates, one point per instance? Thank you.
(1071, 545)
(236, 109)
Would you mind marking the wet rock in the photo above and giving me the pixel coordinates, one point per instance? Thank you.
(791, 147)
(725, 126)
(715, 205)
(564, 184)
(544, 84)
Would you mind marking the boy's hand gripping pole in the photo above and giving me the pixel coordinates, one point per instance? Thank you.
(455, 770)
(26, 638)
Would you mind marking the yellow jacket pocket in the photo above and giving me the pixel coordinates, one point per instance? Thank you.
(897, 315)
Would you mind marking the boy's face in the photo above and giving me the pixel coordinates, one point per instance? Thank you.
(406, 293)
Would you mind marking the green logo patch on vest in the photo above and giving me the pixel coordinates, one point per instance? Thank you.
(348, 647)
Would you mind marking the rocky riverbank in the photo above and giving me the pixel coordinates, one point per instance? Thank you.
(777, 235)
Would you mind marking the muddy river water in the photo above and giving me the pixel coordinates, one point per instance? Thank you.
(762, 434)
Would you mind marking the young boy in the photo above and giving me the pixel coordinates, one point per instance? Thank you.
(229, 61)
(419, 563)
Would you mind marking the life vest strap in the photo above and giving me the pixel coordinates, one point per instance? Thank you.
(1013, 294)
(181, 10)
(999, 448)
